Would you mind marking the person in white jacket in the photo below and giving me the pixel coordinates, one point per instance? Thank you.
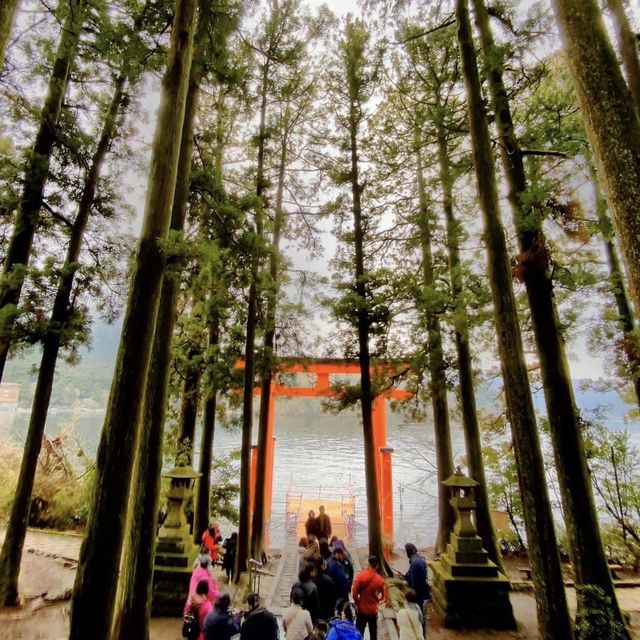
(296, 620)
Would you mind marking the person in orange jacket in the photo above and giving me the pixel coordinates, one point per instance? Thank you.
(369, 591)
(210, 539)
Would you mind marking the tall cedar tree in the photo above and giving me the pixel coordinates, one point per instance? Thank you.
(586, 548)
(26, 220)
(626, 317)
(612, 122)
(437, 373)
(8, 11)
(553, 615)
(436, 71)
(293, 94)
(60, 314)
(628, 45)
(274, 50)
(97, 576)
(358, 74)
(470, 423)
(134, 603)
(218, 300)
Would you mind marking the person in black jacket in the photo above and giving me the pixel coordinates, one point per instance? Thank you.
(259, 623)
(417, 574)
(220, 624)
(305, 583)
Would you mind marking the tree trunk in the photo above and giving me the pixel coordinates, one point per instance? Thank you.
(244, 533)
(628, 45)
(201, 519)
(626, 319)
(17, 525)
(259, 515)
(96, 579)
(376, 547)
(8, 12)
(437, 376)
(26, 221)
(189, 411)
(131, 619)
(470, 426)
(581, 519)
(612, 123)
(553, 616)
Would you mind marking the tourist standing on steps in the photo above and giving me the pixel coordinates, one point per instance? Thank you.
(210, 539)
(311, 525)
(305, 583)
(338, 573)
(417, 575)
(296, 620)
(199, 605)
(369, 591)
(219, 624)
(259, 623)
(324, 524)
(344, 629)
(202, 572)
(228, 561)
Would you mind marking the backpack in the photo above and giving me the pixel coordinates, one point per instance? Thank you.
(346, 631)
(190, 626)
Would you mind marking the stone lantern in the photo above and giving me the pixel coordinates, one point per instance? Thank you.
(183, 480)
(175, 550)
(468, 589)
(463, 502)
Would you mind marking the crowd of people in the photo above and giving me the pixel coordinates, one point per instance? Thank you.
(327, 601)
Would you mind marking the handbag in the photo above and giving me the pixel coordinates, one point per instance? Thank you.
(190, 626)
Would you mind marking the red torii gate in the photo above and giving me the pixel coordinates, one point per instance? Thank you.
(322, 369)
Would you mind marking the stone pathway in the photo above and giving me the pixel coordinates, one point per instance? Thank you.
(52, 544)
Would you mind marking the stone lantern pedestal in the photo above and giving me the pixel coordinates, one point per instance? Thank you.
(468, 590)
(175, 551)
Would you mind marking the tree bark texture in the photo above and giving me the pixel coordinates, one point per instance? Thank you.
(626, 318)
(437, 374)
(17, 525)
(470, 425)
(553, 615)
(259, 514)
(581, 519)
(26, 220)
(134, 602)
(189, 412)
(206, 442)
(628, 45)
(97, 576)
(8, 12)
(611, 121)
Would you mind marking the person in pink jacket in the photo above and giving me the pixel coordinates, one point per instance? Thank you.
(202, 573)
(199, 605)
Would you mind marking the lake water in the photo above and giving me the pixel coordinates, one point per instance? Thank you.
(320, 455)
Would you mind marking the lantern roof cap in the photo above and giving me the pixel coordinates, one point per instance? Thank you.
(458, 479)
(182, 472)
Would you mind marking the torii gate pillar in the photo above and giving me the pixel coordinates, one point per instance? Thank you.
(383, 472)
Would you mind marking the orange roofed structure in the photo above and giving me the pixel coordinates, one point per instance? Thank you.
(321, 370)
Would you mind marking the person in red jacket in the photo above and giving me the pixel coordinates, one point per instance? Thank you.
(369, 591)
(210, 539)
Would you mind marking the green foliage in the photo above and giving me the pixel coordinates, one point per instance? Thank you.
(63, 485)
(594, 620)
(225, 488)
